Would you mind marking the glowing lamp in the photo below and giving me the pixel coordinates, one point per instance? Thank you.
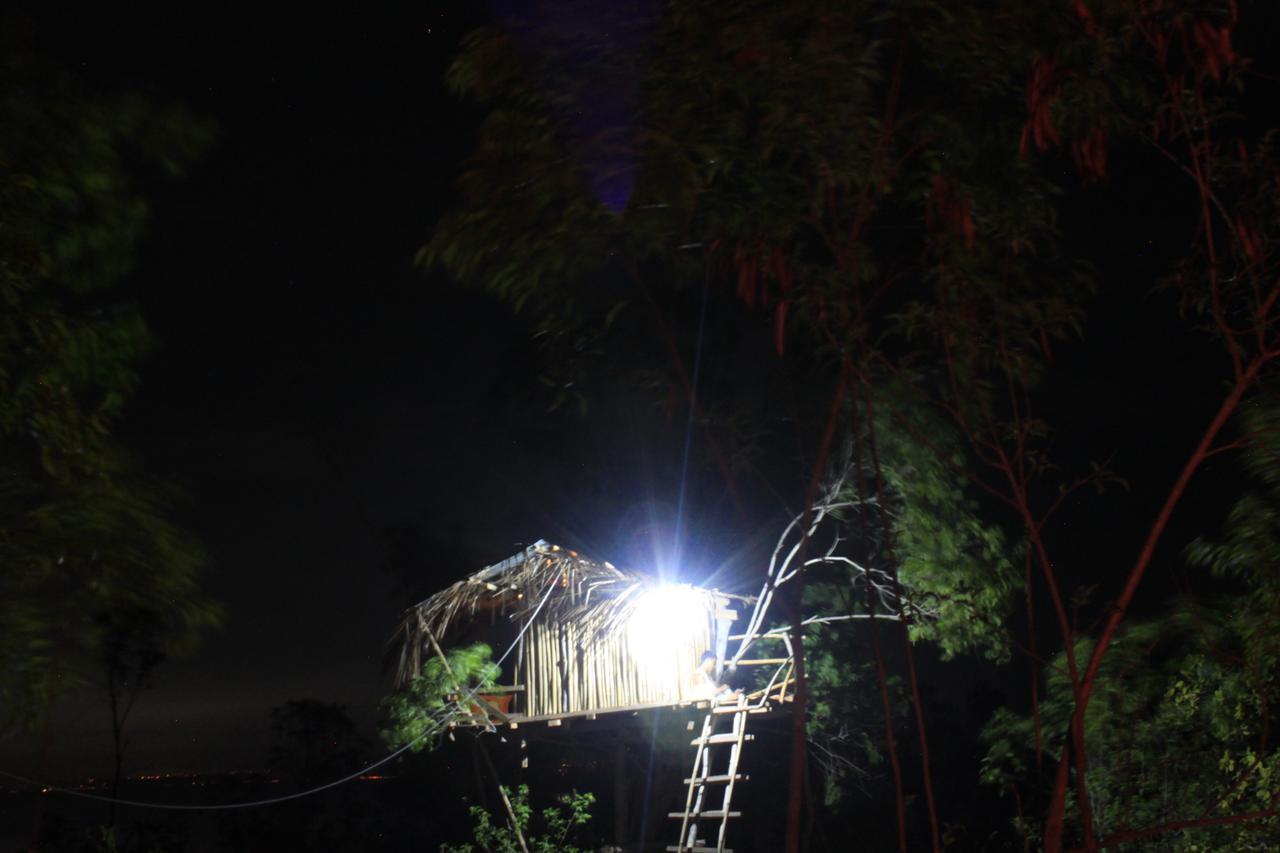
(667, 619)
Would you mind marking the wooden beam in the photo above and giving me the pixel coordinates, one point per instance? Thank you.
(763, 661)
(602, 715)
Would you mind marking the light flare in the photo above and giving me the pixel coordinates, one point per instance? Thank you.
(667, 619)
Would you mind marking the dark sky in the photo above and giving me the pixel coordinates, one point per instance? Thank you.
(312, 389)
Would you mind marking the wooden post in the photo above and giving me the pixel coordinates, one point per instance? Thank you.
(448, 670)
(457, 688)
(515, 825)
(506, 803)
(786, 680)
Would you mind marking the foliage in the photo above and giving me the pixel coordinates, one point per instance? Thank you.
(1179, 727)
(756, 133)
(81, 535)
(314, 742)
(954, 582)
(1176, 732)
(414, 716)
(559, 824)
(133, 646)
(954, 563)
(845, 725)
(876, 190)
(1248, 553)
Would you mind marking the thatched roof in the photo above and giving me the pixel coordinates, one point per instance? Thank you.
(543, 581)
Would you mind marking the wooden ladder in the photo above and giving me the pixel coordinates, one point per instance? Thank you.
(702, 779)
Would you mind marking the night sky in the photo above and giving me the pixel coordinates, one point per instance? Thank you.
(311, 388)
(314, 395)
(313, 391)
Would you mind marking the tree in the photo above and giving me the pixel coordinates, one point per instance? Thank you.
(1123, 79)
(1179, 732)
(560, 823)
(1173, 734)
(739, 151)
(82, 535)
(884, 185)
(415, 717)
(314, 742)
(132, 648)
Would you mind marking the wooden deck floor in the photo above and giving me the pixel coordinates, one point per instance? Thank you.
(515, 720)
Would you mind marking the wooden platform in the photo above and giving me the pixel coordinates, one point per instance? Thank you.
(515, 720)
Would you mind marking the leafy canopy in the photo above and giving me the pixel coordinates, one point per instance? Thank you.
(415, 715)
(82, 536)
(559, 824)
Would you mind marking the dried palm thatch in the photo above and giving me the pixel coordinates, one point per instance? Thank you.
(573, 650)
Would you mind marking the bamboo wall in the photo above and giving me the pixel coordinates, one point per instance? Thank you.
(604, 674)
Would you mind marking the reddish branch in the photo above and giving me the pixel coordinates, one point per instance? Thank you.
(882, 682)
(904, 623)
(1246, 367)
(850, 268)
(1128, 835)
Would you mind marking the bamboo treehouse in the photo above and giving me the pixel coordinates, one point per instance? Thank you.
(585, 638)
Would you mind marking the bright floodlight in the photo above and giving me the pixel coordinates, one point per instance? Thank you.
(667, 618)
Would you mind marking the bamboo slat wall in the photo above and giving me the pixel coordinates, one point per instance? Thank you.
(576, 653)
(606, 672)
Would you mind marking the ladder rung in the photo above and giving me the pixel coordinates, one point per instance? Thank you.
(719, 780)
(727, 737)
(674, 849)
(700, 815)
(731, 709)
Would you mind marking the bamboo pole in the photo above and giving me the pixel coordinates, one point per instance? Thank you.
(588, 667)
(515, 826)
(531, 673)
(511, 813)
(552, 674)
(535, 669)
(548, 695)
(522, 674)
(571, 667)
(552, 693)
(782, 695)
(608, 679)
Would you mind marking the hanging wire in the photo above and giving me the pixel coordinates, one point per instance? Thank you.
(48, 788)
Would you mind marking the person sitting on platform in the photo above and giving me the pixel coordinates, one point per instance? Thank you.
(707, 687)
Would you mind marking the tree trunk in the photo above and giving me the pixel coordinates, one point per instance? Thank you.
(799, 721)
(42, 769)
(1202, 451)
(799, 725)
(117, 746)
(904, 624)
(886, 704)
